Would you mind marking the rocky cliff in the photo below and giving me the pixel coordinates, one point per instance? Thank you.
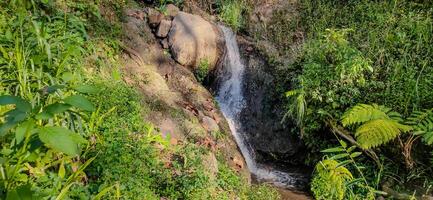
(182, 107)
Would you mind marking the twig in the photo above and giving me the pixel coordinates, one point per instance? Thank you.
(336, 129)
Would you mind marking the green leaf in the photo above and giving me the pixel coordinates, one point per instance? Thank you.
(342, 143)
(64, 192)
(379, 131)
(78, 139)
(23, 192)
(344, 163)
(68, 76)
(355, 154)
(62, 170)
(380, 192)
(15, 115)
(60, 139)
(79, 102)
(339, 156)
(4, 128)
(103, 192)
(362, 113)
(21, 131)
(351, 149)
(44, 115)
(20, 103)
(355, 181)
(86, 89)
(56, 108)
(331, 150)
(52, 109)
(292, 92)
(418, 132)
(116, 75)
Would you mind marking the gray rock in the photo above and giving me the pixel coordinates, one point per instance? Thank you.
(210, 124)
(263, 113)
(163, 28)
(155, 17)
(193, 40)
(172, 10)
(164, 43)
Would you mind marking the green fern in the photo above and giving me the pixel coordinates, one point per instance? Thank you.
(297, 106)
(379, 131)
(330, 179)
(379, 124)
(364, 112)
(422, 122)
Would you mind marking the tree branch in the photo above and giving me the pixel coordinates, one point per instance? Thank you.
(340, 131)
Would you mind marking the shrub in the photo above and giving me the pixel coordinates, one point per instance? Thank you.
(343, 71)
(333, 180)
(202, 71)
(330, 180)
(231, 13)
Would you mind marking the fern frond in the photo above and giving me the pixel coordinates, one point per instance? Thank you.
(363, 112)
(298, 105)
(293, 92)
(330, 165)
(379, 131)
(330, 179)
(422, 121)
(301, 107)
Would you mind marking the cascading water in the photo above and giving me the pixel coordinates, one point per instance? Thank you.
(231, 101)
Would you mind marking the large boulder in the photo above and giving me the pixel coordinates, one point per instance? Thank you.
(193, 40)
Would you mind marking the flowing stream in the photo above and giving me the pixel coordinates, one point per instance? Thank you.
(231, 101)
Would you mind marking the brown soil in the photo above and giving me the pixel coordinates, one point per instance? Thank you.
(293, 195)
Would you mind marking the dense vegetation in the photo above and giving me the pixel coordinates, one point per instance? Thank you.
(72, 129)
(358, 54)
(358, 86)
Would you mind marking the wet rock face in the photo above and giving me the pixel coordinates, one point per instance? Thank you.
(262, 115)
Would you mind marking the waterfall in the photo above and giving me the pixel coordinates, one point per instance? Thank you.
(230, 97)
(231, 101)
